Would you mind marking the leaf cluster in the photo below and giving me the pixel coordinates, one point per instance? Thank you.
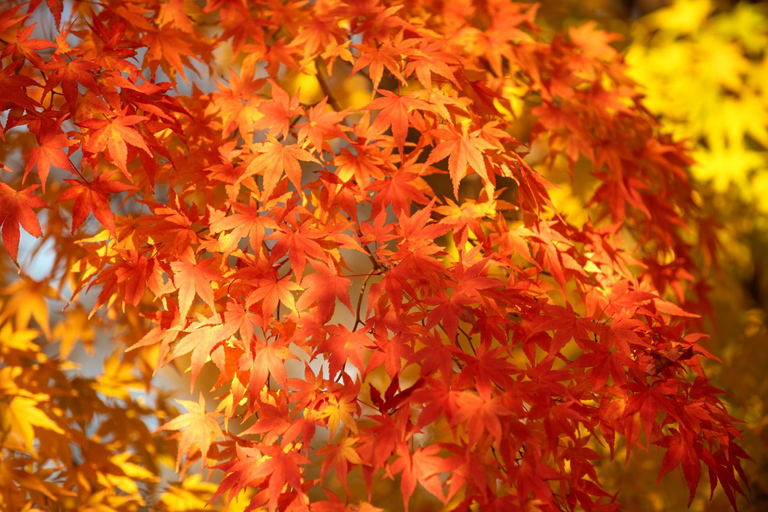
(468, 341)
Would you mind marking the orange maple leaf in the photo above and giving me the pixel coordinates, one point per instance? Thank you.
(462, 151)
(278, 111)
(194, 278)
(323, 288)
(201, 426)
(274, 159)
(394, 113)
(113, 135)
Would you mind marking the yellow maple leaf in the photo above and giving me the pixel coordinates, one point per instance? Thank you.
(76, 326)
(340, 410)
(26, 301)
(17, 419)
(18, 339)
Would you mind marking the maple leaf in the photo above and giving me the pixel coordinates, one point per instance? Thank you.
(275, 159)
(394, 114)
(169, 50)
(481, 415)
(134, 276)
(248, 221)
(26, 45)
(201, 429)
(400, 190)
(422, 466)
(279, 111)
(247, 468)
(262, 361)
(257, 464)
(16, 210)
(178, 12)
(319, 33)
(21, 340)
(271, 291)
(429, 59)
(48, 152)
(343, 345)
(339, 455)
(386, 55)
(306, 388)
(340, 410)
(462, 151)
(19, 416)
(93, 197)
(27, 300)
(70, 73)
(594, 43)
(566, 325)
(14, 87)
(114, 134)
(390, 352)
(194, 278)
(323, 288)
(447, 312)
(299, 243)
(321, 126)
(202, 340)
(394, 397)
(487, 367)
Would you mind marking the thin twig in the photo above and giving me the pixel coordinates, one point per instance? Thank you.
(360, 298)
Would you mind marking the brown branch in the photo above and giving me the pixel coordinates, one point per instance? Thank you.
(324, 85)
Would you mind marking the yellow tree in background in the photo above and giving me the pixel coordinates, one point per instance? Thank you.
(704, 69)
(706, 75)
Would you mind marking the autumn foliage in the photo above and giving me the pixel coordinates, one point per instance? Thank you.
(374, 273)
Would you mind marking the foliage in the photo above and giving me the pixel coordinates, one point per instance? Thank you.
(362, 320)
(706, 75)
(702, 67)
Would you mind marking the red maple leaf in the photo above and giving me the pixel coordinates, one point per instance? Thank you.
(322, 125)
(93, 196)
(202, 340)
(70, 73)
(394, 114)
(16, 209)
(422, 466)
(387, 55)
(48, 152)
(254, 465)
(264, 360)
(342, 345)
(270, 291)
(248, 221)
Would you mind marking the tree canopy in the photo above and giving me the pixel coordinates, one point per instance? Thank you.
(339, 218)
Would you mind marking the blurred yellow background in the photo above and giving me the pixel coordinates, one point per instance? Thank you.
(703, 67)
